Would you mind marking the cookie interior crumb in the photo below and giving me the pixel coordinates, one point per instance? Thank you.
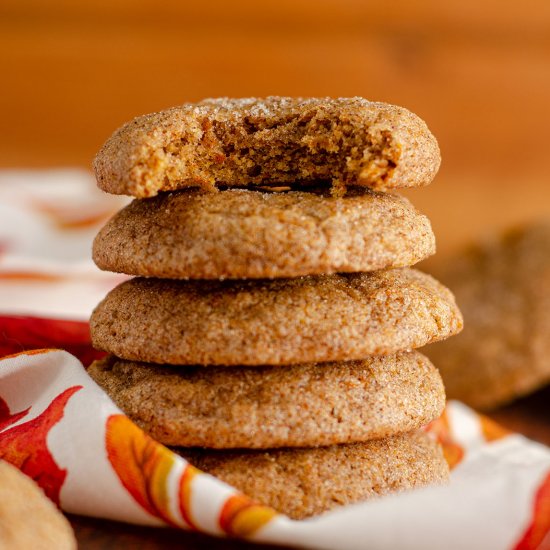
(268, 142)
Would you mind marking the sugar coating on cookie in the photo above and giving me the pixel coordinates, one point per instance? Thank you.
(305, 482)
(266, 407)
(270, 141)
(503, 288)
(28, 518)
(274, 322)
(242, 234)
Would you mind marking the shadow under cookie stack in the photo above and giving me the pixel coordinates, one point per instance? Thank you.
(269, 334)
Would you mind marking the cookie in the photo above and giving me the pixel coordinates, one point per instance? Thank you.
(28, 519)
(274, 322)
(242, 234)
(267, 407)
(305, 482)
(271, 141)
(503, 288)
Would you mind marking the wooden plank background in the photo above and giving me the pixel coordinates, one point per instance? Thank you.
(75, 70)
(478, 72)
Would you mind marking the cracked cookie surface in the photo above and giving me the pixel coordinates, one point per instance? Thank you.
(305, 405)
(243, 234)
(274, 322)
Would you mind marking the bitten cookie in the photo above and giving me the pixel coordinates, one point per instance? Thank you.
(277, 322)
(271, 141)
(267, 407)
(239, 234)
(503, 288)
(305, 482)
(29, 519)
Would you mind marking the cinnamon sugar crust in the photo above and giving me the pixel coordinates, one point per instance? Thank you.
(305, 405)
(306, 482)
(242, 234)
(274, 322)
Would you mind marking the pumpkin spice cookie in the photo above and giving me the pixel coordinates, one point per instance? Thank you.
(240, 234)
(267, 407)
(28, 518)
(271, 141)
(274, 322)
(503, 288)
(305, 482)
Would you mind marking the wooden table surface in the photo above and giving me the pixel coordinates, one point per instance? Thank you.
(477, 72)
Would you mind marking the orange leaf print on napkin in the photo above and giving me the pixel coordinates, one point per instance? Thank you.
(241, 516)
(441, 430)
(143, 466)
(491, 430)
(7, 418)
(25, 445)
(538, 531)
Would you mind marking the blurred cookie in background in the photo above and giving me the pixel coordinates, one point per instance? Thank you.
(502, 286)
(29, 519)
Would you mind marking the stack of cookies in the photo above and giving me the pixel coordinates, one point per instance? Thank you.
(269, 333)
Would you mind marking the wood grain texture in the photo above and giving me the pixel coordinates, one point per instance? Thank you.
(479, 76)
(477, 72)
(98, 534)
